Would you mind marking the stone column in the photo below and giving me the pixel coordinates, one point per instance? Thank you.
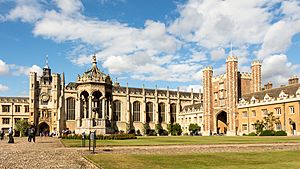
(103, 109)
(77, 112)
(109, 109)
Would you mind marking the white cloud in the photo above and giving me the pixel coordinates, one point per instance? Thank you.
(217, 54)
(279, 37)
(26, 11)
(69, 7)
(196, 88)
(281, 72)
(4, 68)
(215, 23)
(3, 88)
(24, 70)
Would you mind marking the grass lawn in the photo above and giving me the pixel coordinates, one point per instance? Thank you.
(255, 160)
(185, 140)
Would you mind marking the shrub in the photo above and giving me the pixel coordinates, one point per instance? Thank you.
(252, 134)
(267, 133)
(159, 129)
(194, 128)
(165, 133)
(152, 133)
(174, 129)
(280, 133)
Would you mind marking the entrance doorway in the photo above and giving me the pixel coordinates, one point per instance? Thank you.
(43, 129)
(222, 123)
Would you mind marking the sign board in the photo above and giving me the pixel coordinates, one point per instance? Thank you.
(92, 136)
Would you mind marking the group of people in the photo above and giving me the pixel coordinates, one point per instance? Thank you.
(30, 131)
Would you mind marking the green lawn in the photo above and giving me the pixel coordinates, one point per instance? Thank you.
(185, 140)
(255, 160)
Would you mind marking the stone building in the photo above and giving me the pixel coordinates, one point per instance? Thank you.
(234, 101)
(95, 103)
(230, 103)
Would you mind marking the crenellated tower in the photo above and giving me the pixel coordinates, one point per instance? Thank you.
(208, 100)
(256, 76)
(232, 92)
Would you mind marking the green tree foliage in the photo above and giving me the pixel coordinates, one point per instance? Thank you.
(22, 126)
(146, 129)
(194, 128)
(174, 129)
(270, 121)
(259, 126)
(267, 123)
(159, 129)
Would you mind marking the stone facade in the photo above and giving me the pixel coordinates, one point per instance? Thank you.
(95, 103)
(229, 105)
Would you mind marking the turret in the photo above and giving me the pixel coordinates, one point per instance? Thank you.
(232, 91)
(256, 76)
(208, 100)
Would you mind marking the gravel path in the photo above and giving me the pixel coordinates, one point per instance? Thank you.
(182, 149)
(46, 153)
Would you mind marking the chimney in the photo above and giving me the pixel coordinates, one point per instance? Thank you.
(293, 80)
(268, 86)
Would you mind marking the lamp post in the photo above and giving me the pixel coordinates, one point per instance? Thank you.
(12, 116)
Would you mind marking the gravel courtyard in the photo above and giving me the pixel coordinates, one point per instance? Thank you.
(46, 153)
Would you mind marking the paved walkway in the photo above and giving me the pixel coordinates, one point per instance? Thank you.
(46, 153)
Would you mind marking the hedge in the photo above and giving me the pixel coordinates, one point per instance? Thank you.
(280, 133)
(103, 137)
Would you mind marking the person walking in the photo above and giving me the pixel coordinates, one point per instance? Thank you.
(31, 134)
(2, 134)
(10, 135)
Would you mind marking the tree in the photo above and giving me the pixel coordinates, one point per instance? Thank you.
(22, 126)
(194, 128)
(259, 126)
(270, 120)
(175, 129)
(159, 129)
(267, 123)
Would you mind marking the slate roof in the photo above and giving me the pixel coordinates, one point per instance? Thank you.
(274, 92)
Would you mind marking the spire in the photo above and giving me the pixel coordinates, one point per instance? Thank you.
(47, 64)
(231, 53)
(94, 60)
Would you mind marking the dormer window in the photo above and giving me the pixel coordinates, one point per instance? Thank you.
(298, 92)
(253, 100)
(267, 97)
(283, 95)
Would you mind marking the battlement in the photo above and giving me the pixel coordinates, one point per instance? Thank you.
(245, 75)
(256, 63)
(232, 59)
(208, 68)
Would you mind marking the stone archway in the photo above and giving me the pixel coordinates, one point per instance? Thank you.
(43, 128)
(221, 123)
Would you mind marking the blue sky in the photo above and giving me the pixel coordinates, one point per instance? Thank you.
(163, 43)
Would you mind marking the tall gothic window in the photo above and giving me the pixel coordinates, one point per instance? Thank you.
(136, 111)
(70, 108)
(161, 112)
(149, 112)
(117, 110)
(173, 112)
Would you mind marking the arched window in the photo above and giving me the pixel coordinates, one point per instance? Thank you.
(149, 112)
(70, 108)
(136, 111)
(161, 112)
(173, 112)
(117, 110)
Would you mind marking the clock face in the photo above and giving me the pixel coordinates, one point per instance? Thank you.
(45, 97)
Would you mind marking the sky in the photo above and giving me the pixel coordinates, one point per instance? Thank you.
(159, 42)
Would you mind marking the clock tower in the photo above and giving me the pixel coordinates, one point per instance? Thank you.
(46, 101)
